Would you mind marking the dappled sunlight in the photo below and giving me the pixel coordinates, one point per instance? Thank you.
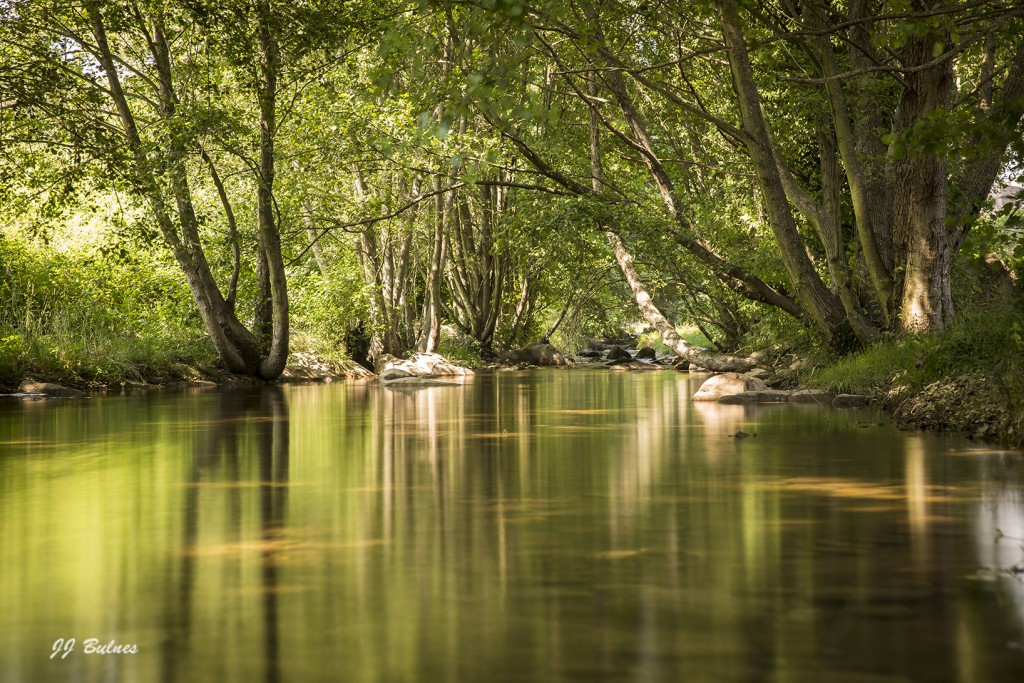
(852, 488)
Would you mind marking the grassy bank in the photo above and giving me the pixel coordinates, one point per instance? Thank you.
(89, 319)
(968, 379)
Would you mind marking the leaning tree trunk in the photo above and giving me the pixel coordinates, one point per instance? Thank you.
(157, 170)
(648, 310)
(823, 307)
(669, 336)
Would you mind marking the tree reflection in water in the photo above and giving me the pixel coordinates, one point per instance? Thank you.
(242, 414)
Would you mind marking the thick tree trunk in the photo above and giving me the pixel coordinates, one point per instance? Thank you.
(920, 218)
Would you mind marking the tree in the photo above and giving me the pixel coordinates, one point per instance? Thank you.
(130, 83)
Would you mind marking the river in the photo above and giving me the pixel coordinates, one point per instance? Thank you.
(558, 525)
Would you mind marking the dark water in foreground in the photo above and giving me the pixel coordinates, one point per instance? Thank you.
(550, 526)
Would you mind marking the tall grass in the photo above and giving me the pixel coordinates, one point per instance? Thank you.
(85, 319)
(984, 340)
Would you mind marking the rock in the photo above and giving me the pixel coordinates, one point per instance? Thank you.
(421, 365)
(766, 396)
(618, 353)
(727, 383)
(49, 389)
(741, 434)
(681, 365)
(596, 344)
(759, 373)
(589, 353)
(646, 353)
(850, 401)
(537, 353)
(394, 373)
(417, 382)
(810, 396)
(633, 365)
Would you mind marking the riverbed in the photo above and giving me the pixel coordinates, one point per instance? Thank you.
(549, 525)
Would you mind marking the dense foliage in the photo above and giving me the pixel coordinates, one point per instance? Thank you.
(183, 179)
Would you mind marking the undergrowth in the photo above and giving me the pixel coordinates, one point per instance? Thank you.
(968, 378)
(85, 320)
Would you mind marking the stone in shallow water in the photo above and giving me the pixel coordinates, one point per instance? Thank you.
(726, 384)
(618, 353)
(421, 365)
(49, 389)
(647, 353)
(810, 396)
(766, 396)
(850, 401)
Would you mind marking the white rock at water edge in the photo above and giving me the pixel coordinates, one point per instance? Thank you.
(726, 384)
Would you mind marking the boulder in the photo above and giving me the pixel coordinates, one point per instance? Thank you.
(811, 396)
(618, 353)
(589, 353)
(633, 365)
(537, 353)
(727, 383)
(421, 365)
(646, 353)
(850, 401)
(49, 389)
(765, 396)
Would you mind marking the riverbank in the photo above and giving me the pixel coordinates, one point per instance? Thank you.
(968, 379)
(97, 375)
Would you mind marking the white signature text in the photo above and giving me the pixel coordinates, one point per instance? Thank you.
(62, 647)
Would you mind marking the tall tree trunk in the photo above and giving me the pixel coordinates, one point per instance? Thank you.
(920, 218)
(270, 240)
(431, 336)
(235, 345)
(864, 209)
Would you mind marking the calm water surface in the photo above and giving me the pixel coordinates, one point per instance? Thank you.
(543, 526)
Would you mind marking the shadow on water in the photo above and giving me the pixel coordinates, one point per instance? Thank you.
(219, 455)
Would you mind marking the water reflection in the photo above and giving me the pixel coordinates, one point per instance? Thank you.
(548, 526)
(220, 460)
